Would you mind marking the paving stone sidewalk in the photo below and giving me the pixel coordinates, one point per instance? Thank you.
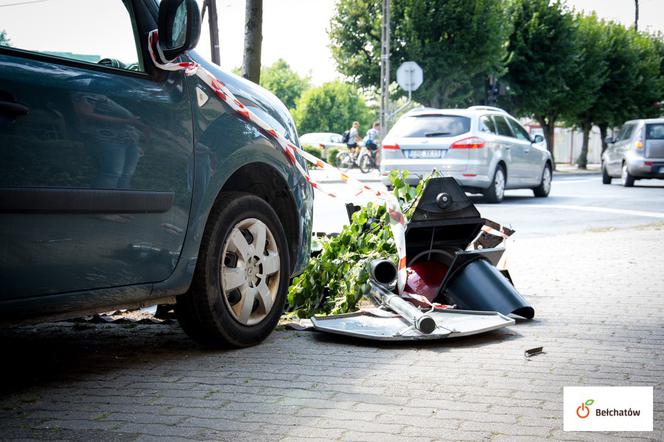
(598, 296)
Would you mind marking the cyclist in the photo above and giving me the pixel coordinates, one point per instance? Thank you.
(354, 138)
(370, 139)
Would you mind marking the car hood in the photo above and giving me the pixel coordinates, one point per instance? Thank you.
(253, 95)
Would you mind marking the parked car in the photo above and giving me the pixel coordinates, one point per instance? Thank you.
(483, 148)
(324, 140)
(129, 186)
(637, 153)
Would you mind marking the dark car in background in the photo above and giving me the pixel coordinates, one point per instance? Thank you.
(636, 153)
(125, 185)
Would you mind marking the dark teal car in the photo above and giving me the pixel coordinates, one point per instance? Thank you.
(125, 185)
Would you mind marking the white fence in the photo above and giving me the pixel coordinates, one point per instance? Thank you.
(568, 143)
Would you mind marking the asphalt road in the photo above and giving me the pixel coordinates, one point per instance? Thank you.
(577, 203)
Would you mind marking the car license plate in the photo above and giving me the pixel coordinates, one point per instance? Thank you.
(422, 154)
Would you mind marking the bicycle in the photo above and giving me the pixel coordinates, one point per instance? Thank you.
(367, 160)
(363, 158)
(347, 159)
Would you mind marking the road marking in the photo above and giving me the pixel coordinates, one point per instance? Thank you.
(593, 209)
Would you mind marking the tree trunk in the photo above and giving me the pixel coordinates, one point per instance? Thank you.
(214, 30)
(253, 38)
(582, 161)
(603, 130)
(548, 127)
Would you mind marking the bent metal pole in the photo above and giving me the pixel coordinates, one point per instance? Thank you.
(421, 321)
(383, 275)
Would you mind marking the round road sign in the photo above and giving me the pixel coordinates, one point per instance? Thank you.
(409, 76)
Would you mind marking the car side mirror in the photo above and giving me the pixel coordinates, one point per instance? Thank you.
(179, 27)
(609, 140)
(538, 138)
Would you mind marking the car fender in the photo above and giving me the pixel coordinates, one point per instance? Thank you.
(224, 144)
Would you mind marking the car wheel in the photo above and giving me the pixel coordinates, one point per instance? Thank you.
(627, 179)
(365, 163)
(542, 191)
(496, 192)
(606, 178)
(344, 161)
(241, 279)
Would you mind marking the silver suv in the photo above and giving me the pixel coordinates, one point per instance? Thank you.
(483, 148)
(637, 152)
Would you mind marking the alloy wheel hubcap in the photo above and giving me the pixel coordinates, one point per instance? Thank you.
(250, 271)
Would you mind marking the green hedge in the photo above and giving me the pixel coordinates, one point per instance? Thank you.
(313, 150)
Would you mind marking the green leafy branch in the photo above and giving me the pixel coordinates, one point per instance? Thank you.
(336, 279)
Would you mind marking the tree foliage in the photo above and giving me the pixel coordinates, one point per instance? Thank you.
(559, 66)
(634, 81)
(331, 107)
(4, 39)
(658, 43)
(283, 82)
(454, 41)
(543, 58)
(591, 74)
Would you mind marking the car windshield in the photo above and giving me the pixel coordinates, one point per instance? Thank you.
(431, 126)
(655, 131)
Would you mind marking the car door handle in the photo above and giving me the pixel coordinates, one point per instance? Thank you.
(12, 109)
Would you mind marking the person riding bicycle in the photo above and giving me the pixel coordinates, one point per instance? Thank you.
(371, 138)
(354, 137)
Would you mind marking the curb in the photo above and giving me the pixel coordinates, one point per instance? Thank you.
(577, 173)
(374, 179)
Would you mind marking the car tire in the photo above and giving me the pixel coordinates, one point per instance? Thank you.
(496, 191)
(606, 178)
(365, 163)
(240, 285)
(542, 191)
(627, 178)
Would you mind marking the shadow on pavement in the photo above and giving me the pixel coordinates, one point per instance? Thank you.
(54, 352)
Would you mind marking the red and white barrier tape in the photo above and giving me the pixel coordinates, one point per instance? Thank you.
(423, 301)
(397, 219)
